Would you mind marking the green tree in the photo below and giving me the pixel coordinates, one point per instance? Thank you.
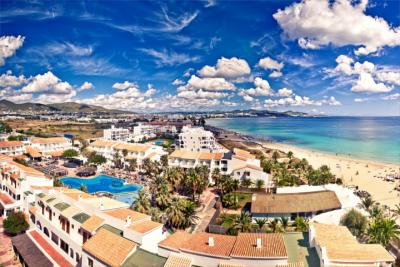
(301, 224)
(5, 128)
(246, 182)
(70, 153)
(242, 222)
(164, 161)
(15, 223)
(142, 204)
(260, 184)
(290, 155)
(230, 200)
(124, 152)
(117, 161)
(284, 222)
(57, 183)
(275, 156)
(355, 221)
(189, 211)
(275, 226)
(382, 230)
(267, 166)
(176, 217)
(132, 165)
(96, 159)
(83, 188)
(367, 203)
(261, 222)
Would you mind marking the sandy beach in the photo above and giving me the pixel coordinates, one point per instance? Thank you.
(346, 167)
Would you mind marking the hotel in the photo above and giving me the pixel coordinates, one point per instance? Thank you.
(53, 146)
(12, 148)
(116, 134)
(196, 139)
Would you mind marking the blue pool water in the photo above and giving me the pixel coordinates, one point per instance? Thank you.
(103, 183)
(159, 143)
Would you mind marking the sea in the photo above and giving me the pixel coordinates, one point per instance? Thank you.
(370, 138)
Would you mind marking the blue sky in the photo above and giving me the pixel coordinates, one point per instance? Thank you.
(317, 56)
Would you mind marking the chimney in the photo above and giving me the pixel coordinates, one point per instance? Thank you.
(253, 197)
(128, 221)
(211, 241)
(258, 242)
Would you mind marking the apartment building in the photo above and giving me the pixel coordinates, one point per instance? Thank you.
(144, 131)
(239, 163)
(336, 246)
(116, 134)
(134, 150)
(12, 148)
(197, 139)
(53, 146)
(87, 230)
(15, 181)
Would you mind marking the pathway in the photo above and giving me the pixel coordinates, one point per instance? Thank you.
(7, 256)
(208, 212)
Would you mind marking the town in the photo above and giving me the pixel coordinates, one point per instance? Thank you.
(129, 190)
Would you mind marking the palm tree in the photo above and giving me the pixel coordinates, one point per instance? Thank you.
(260, 184)
(301, 224)
(396, 210)
(274, 225)
(382, 230)
(367, 203)
(246, 182)
(164, 161)
(275, 156)
(124, 152)
(242, 222)
(190, 212)
(376, 212)
(284, 222)
(176, 217)
(132, 165)
(261, 222)
(117, 160)
(142, 204)
(290, 155)
(216, 175)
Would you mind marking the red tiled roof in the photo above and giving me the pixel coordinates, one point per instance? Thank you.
(6, 199)
(10, 143)
(57, 257)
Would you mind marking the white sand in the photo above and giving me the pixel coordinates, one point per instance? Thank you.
(346, 168)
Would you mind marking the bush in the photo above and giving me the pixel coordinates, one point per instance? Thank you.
(355, 221)
(70, 153)
(16, 223)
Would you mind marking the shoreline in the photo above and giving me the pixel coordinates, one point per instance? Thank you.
(368, 175)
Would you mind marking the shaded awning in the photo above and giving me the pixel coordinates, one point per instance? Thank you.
(31, 254)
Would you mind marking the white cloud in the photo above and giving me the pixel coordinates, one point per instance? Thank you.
(175, 23)
(230, 103)
(248, 98)
(210, 3)
(389, 76)
(360, 100)
(296, 100)
(178, 82)
(275, 74)
(125, 85)
(284, 92)
(201, 94)
(367, 84)
(270, 64)
(169, 58)
(226, 68)
(344, 64)
(317, 23)
(68, 49)
(9, 80)
(86, 86)
(209, 84)
(47, 83)
(187, 72)
(8, 46)
(392, 97)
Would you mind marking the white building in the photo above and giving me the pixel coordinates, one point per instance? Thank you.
(134, 150)
(87, 230)
(116, 134)
(12, 148)
(15, 181)
(53, 146)
(239, 163)
(144, 131)
(197, 139)
(336, 246)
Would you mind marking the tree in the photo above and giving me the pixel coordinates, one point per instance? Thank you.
(176, 217)
(164, 161)
(96, 159)
(267, 166)
(396, 210)
(301, 224)
(275, 156)
(5, 128)
(230, 200)
(16, 138)
(382, 230)
(83, 188)
(142, 204)
(261, 222)
(57, 183)
(290, 155)
(70, 153)
(355, 221)
(274, 225)
(189, 211)
(284, 222)
(367, 203)
(15, 223)
(132, 165)
(260, 184)
(124, 152)
(117, 161)
(246, 182)
(242, 222)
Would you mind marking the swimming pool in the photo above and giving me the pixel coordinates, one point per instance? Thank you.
(104, 183)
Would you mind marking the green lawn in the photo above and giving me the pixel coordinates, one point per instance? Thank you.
(243, 199)
(299, 250)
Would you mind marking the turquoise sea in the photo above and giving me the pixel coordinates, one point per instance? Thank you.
(373, 138)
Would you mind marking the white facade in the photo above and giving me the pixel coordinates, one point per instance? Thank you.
(144, 131)
(12, 148)
(52, 144)
(196, 139)
(116, 134)
(15, 181)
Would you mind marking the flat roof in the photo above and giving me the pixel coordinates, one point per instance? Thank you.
(177, 260)
(186, 154)
(294, 202)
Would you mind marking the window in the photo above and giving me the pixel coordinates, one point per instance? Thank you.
(90, 262)
(71, 252)
(64, 246)
(54, 238)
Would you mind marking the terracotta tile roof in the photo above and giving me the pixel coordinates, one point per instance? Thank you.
(123, 213)
(293, 264)
(109, 248)
(250, 166)
(229, 264)
(144, 227)
(341, 245)
(49, 140)
(103, 143)
(132, 147)
(152, 154)
(175, 241)
(272, 245)
(10, 143)
(92, 224)
(185, 154)
(177, 260)
(198, 243)
(76, 193)
(32, 209)
(243, 153)
(55, 153)
(26, 168)
(33, 152)
(48, 248)
(6, 199)
(295, 202)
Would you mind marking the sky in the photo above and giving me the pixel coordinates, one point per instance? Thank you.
(318, 56)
